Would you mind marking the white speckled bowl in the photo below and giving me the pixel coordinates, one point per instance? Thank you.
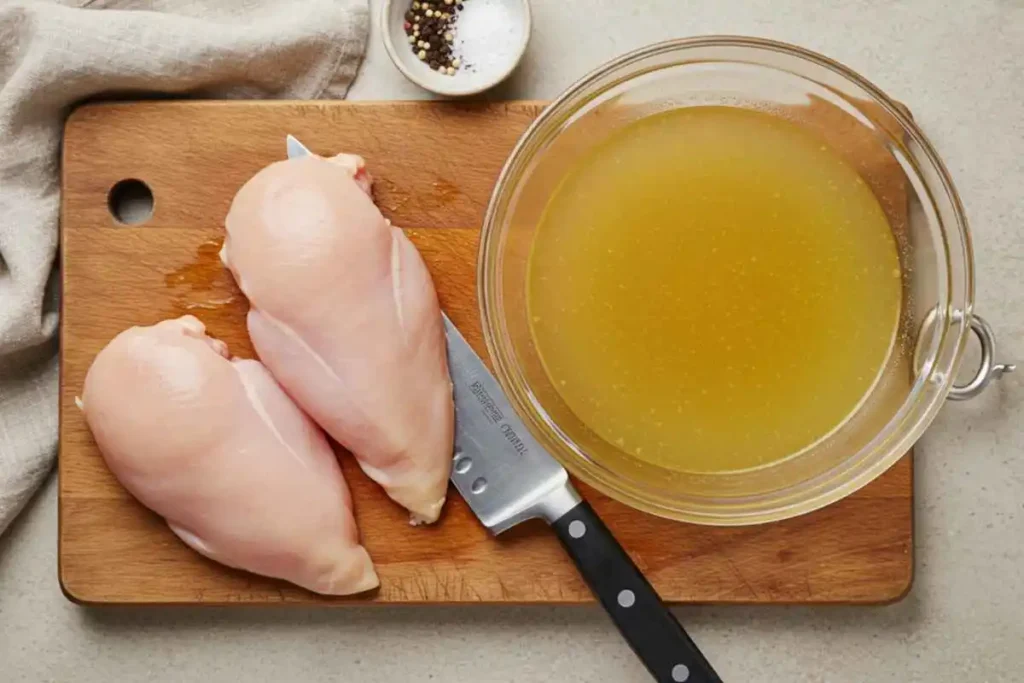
(482, 76)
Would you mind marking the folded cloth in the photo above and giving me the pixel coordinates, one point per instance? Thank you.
(55, 54)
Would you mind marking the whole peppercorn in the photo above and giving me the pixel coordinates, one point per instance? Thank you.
(430, 27)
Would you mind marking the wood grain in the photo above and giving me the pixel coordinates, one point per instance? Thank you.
(435, 165)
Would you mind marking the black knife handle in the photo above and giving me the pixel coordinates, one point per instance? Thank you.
(649, 627)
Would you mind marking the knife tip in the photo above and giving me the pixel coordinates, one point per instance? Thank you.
(294, 148)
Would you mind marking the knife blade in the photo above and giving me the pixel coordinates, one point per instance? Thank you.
(507, 477)
(294, 148)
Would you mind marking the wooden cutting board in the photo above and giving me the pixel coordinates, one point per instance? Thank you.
(435, 164)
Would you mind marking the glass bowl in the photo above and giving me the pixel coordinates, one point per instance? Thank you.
(879, 139)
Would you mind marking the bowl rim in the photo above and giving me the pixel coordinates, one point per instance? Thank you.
(829, 490)
(384, 25)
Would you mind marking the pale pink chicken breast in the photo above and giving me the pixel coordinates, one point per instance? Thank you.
(216, 447)
(344, 313)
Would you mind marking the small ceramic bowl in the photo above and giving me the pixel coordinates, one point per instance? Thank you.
(500, 27)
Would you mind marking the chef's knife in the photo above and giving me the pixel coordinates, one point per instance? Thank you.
(506, 478)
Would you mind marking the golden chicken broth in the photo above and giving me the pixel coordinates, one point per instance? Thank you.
(713, 289)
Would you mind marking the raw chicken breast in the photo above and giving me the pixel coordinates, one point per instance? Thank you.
(345, 315)
(218, 449)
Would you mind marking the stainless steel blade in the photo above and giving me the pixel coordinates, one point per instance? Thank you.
(499, 468)
(295, 148)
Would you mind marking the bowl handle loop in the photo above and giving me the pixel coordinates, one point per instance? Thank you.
(987, 370)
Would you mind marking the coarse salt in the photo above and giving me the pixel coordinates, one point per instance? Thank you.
(488, 35)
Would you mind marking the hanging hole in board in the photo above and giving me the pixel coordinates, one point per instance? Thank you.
(130, 202)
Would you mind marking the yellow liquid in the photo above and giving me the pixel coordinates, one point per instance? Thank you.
(713, 289)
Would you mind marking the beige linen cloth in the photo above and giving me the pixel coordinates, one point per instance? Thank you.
(55, 54)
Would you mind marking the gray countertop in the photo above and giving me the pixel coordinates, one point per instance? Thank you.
(960, 67)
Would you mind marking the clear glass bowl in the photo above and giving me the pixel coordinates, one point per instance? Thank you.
(874, 134)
